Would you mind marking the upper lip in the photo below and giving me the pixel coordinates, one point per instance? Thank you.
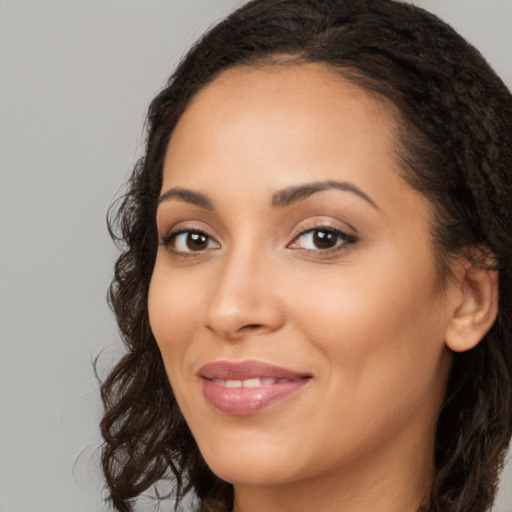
(230, 370)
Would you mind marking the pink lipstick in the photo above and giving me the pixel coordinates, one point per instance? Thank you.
(248, 387)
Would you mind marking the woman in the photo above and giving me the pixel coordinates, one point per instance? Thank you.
(315, 284)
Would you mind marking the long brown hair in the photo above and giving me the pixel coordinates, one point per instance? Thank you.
(455, 146)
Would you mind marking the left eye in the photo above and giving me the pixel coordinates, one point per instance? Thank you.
(321, 239)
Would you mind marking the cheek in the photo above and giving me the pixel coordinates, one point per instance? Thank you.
(173, 308)
(379, 327)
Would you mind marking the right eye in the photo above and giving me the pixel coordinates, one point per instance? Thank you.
(190, 241)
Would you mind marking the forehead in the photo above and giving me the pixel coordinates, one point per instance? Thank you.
(297, 111)
(288, 81)
(297, 89)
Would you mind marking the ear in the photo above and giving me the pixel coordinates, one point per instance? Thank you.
(475, 306)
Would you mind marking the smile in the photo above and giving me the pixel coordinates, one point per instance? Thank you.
(247, 388)
(250, 383)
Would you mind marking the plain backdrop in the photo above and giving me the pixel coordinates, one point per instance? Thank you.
(76, 77)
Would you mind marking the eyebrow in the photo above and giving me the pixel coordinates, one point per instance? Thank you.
(293, 194)
(187, 196)
(280, 199)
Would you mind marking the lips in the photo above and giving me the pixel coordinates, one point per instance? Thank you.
(249, 387)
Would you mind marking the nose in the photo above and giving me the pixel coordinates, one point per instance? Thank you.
(244, 299)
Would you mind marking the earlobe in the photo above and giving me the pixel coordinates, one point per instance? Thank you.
(475, 308)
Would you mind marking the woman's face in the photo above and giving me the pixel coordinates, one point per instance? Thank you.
(294, 296)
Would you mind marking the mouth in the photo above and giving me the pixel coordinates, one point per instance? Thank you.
(256, 382)
(245, 388)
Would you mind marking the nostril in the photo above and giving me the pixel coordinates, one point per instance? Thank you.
(244, 328)
(252, 327)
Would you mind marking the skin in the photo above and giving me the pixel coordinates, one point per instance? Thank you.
(366, 318)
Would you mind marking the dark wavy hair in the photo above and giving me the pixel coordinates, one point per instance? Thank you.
(455, 146)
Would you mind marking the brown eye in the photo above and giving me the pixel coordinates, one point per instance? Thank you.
(322, 239)
(190, 241)
(196, 241)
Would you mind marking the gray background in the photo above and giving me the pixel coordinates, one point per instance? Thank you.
(75, 79)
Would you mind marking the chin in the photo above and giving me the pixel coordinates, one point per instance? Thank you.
(253, 473)
(259, 462)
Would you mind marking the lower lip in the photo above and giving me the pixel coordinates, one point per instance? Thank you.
(246, 401)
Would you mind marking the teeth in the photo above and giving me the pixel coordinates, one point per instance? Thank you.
(249, 383)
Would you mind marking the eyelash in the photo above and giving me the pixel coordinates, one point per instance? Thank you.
(342, 240)
(169, 239)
